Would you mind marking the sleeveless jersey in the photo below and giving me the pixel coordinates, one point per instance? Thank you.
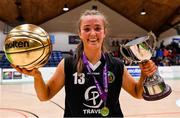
(82, 98)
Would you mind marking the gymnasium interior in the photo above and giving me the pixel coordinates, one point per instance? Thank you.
(128, 20)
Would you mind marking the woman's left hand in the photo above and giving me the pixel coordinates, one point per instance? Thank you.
(148, 68)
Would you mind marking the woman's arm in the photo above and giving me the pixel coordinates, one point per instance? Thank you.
(46, 91)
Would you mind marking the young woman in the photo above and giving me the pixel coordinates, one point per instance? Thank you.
(93, 79)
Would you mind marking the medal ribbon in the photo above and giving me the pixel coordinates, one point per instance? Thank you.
(102, 93)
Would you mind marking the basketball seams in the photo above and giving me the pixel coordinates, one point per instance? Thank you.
(36, 49)
(28, 32)
(34, 62)
(28, 50)
(41, 56)
(41, 45)
(49, 43)
(45, 61)
(29, 28)
(42, 60)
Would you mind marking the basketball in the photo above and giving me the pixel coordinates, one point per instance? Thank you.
(28, 46)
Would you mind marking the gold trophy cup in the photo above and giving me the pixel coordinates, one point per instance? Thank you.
(139, 51)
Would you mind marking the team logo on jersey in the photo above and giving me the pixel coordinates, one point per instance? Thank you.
(111, 77)
(92, 101)
(92, 98)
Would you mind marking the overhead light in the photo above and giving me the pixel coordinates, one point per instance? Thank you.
(143, 12)
(65, 8)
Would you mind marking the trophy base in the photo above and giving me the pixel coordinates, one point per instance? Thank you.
(159, 96)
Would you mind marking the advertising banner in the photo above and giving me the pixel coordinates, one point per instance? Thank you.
(11, 75)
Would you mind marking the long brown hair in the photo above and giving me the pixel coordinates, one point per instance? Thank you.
(80, 46)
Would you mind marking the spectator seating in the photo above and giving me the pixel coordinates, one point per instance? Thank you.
(53, 61)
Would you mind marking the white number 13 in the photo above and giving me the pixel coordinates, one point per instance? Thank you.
(79, 78)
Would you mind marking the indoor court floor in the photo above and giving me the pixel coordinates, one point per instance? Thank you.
(20, 101)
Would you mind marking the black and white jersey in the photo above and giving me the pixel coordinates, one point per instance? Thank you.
(82, 98)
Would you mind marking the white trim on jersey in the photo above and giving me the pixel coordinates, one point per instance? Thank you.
(93, 67)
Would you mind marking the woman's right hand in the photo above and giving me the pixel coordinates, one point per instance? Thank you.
(34, 72)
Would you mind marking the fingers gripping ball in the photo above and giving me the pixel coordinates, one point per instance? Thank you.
(28, 46)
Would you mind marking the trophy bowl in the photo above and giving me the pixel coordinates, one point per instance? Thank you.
(140, 50)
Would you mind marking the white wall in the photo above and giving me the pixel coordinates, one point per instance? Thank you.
(67, 24)
(118, 24)
(61, 41)
(2, 36)
(167, 36)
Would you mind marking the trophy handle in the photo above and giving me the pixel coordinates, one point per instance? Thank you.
(124, 55)
(154, 39)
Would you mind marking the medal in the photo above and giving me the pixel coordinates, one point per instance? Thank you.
(104, 111)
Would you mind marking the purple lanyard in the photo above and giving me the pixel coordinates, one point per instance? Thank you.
(102, 93)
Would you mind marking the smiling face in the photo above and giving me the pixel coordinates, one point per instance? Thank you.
(92, 31)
